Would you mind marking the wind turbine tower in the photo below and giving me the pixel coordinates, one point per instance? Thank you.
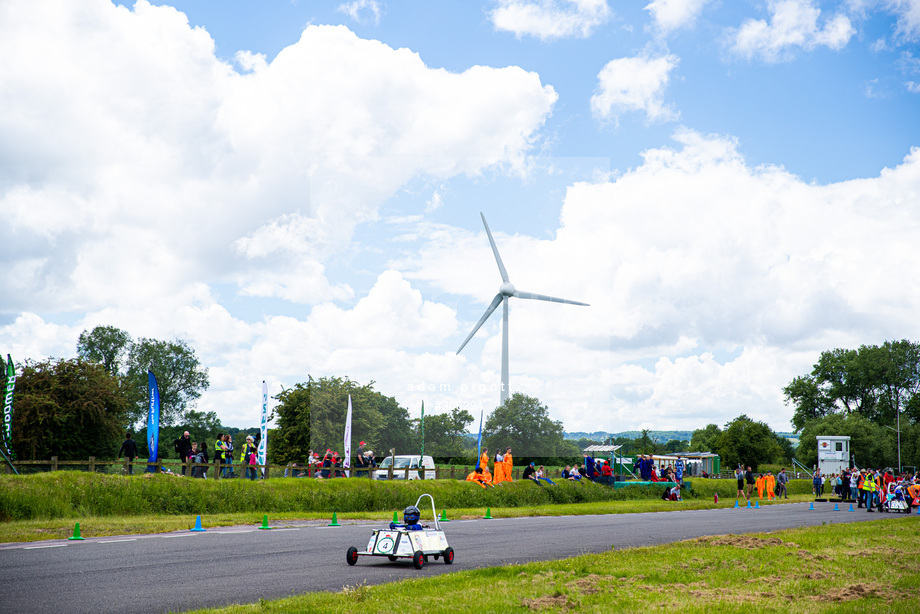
(505, 292)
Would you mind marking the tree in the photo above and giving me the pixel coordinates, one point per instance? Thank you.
(524, 425)
(446, 434)
(877, 382)
(706, 439)
(180, 377)
(291, 443)
(107, 345)
(72, 409)
(748, 443)
(675, 445)
(644, 444)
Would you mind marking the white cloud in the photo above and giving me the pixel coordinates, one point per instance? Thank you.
(362, 10)
(908, 14)
(670, 15)
(550, 19)
(634, 84)
(793, 25)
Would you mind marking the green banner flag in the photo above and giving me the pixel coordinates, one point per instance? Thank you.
(8, 407)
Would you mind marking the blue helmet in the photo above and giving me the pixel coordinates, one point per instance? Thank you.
(411, 515)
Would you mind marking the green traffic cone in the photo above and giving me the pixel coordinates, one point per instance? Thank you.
(488, 515)
(444, 516)
(265, 523)
(335, 522)
(395, 518)
(76, 532)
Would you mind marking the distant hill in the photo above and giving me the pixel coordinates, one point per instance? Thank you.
(656, 436)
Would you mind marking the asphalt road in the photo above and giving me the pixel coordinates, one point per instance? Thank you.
(174, 572)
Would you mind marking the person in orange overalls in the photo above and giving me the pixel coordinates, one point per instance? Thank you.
(770, 485)
(499, 475)
(484, 462)
(480, 477)
(509, 466)
(759, 484)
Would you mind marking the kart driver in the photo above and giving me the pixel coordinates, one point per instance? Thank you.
(411, 516)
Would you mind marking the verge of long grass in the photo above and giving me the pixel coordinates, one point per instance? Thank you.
(860, 567)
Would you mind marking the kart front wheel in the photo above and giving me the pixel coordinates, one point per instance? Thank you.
(449, 556)
(351, 557)
(418, 559)
(391, 557)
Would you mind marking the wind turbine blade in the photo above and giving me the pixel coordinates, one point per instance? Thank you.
(498, 259)
(543, 297)
(495, 303)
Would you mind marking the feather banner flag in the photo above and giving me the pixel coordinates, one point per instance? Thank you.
(346, 462)
(7, 437)
(479, 442)
(153, 419)
(423, 429)
(262, 451)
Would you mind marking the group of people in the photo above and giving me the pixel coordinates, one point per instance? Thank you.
(503, 465)
(332, 465)
(773, 486)
(869, 487)
(645, 467)
(196, 453)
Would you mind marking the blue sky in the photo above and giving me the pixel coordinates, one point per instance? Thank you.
(295, 188)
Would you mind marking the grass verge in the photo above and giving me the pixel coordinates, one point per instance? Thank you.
(860, 567)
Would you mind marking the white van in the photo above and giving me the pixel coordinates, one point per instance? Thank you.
(404, 461)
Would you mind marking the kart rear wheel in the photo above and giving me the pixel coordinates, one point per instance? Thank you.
(449, 556)
(351, 557)
(418, 559)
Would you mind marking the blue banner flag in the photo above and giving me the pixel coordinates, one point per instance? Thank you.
(153, 418)
(479, 442)
(262, 451)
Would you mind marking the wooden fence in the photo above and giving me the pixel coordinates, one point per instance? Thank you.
(215, 469)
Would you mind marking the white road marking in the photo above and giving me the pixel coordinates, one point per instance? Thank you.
(48, 546)
(115, 541)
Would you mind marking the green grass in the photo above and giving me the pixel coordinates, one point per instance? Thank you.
(860, 567)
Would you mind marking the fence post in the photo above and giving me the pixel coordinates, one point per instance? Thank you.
(217, 468)
(92, 464)
(54, 463)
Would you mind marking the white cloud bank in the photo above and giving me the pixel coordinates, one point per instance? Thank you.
(671, 15)
(550, 19)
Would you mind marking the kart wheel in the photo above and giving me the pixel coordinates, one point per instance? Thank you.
(391, 557)
(418, 559)
(449, 556)
(351, 557)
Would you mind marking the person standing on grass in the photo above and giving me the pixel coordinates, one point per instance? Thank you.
(128, 451)
(509, 465)
(781, 480)
(739, 478)
(679, 471)
(220, 453)
(817, 483)
(749, 479)
(183, 447)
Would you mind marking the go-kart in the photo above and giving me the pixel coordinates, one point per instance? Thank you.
(895, 500)
(403, 543)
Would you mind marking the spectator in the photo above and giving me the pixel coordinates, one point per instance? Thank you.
(739, 478)
(228, 452)
(567, 472)
(183, 447)
(248, 457)
(817, 483)
(128, 451)
(749, 479)
(679, 471)
(781, 480)
(530, 473)
(607, 470)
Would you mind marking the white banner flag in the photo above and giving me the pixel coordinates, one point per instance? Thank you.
(346, 462)
(263, 442)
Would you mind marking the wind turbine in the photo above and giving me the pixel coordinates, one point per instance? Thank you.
(505, 292)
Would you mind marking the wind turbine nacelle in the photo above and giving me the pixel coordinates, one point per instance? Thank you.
(507, 289)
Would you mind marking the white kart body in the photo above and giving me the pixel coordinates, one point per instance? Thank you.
(402, 543)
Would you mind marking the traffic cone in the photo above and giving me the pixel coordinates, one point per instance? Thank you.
(736, 503)
(76, 533)
(749, 505)
(488, 515)
(756, 505)
(443, 516)
(811, 506)
(851, 508)
(836, 507)
(198, 527)
(265, 523)
(395, 518)
(335, 522)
